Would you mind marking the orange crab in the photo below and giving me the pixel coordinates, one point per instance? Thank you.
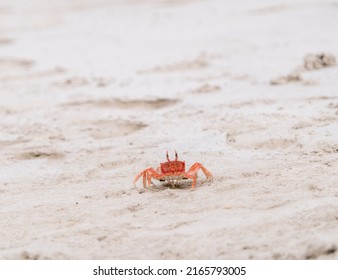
(172, 172)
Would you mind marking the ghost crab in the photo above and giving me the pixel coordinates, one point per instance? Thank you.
(172, 172)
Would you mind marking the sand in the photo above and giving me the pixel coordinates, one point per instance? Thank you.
(93, 92)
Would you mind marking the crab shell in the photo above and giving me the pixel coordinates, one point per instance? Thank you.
(173, 168)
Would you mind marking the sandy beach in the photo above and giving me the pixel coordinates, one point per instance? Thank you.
(94, 92)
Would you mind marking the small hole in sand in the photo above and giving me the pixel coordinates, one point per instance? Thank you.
(39, 154)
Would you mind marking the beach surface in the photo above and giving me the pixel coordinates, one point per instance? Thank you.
(94, 92)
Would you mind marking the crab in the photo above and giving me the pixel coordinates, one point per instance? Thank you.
(172, 172)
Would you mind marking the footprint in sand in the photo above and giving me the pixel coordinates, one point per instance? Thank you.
(251, 140)
(12, 63)
(317, 61)
(30, 256)
(38, 154)
(74, 82)
(310, 62)
(12, 67)
(141, 104)
(207, 88)
(201, 62)
(251, 103)
(110, 128)
(317, 251)
(158, 103)
(333, 106)
(103, 129)
(6, 41)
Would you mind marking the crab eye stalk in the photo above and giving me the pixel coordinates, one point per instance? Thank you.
(167, 156)
(176, 156)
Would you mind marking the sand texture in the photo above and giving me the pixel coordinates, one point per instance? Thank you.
(93, 92)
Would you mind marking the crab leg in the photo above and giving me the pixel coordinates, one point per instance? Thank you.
(192, 173)
(148, 174)
(138, 177)
(152, 173)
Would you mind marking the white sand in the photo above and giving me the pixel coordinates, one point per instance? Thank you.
(93, 92)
